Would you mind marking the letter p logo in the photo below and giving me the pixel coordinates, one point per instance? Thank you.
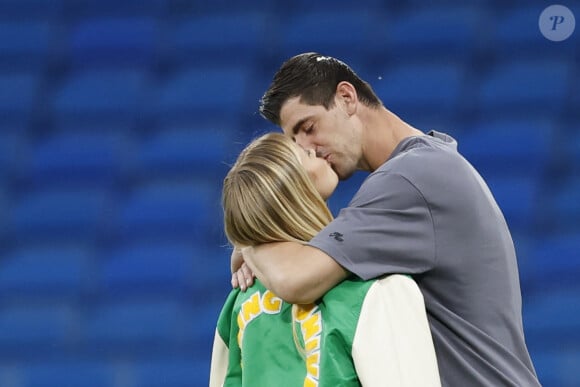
(557, 23)
(557, 20)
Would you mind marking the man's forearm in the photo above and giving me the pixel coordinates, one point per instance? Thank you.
(296, 273)
(269, 263)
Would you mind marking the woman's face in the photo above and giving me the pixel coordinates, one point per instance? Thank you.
(319, 170)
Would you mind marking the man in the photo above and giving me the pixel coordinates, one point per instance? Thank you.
(422, 211)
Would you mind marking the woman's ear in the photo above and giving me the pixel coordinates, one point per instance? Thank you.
(346, 97)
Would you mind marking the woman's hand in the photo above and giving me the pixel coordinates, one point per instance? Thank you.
(242, 275)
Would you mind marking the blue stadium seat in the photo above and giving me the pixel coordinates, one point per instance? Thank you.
(214, 262)
(17, 105)
(205, 312)
(171, 371)
(114, 42)
(4, 209)
(519, 146)
(50, 270)
(517, 197)
(149, 267)
(130, 327)
(553, 261)
(432, 34)
(570, 144)
(534, 88)
(338, 32)
(15, 9)
(557, 368)
(68, 373)
(217, 38)
(25, 44)
(33, 328)
(284, 9)
(13, 150)
(106, 8)
(107, 96)
(179, 151)
(563, 206)
(551, 319)
(574, 101)
(514, 32)
(413, 90)
(201, 93)
(417, 4)
(78, 159)
(524, 244)
(59, 215)
(169, 210)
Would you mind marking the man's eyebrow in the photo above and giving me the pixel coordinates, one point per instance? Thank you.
(299, 124)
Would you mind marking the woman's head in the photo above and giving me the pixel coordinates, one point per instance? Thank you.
(268, 196)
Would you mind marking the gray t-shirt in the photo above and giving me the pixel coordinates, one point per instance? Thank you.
(428, 213)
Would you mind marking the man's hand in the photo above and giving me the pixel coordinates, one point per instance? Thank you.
(242, 275)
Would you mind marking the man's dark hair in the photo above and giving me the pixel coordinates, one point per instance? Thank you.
(312, 77)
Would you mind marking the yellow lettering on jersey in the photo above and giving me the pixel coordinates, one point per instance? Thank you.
(241, 322)
(309, 382)
(254, 306)
(312, 362)
(310, 320)
(302, 311)
(241, 326)
(271, 303)
(251, 307)
(249, 310)
(311, 326)
(313, 344)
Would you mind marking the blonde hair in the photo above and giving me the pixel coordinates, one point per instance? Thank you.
(267, 196)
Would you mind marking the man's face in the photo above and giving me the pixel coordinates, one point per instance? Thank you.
(318, 170)
(331, 133)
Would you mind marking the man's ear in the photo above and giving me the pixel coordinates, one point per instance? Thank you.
(346, 97)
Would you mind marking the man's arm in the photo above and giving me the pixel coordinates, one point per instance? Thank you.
(297, 273)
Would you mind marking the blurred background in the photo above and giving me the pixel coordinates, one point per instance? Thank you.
(118, 120)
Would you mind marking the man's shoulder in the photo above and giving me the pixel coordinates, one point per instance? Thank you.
(420, 166)
(422, 159)
(420, 151)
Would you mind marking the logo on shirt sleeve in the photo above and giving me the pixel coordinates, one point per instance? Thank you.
(337, 236)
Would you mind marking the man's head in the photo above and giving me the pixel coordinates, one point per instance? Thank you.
(315, 98)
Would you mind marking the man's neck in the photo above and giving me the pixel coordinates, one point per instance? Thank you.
(383, 132)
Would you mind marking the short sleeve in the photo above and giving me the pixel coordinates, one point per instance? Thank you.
(387, 228)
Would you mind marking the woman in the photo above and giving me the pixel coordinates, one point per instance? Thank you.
(369, 333)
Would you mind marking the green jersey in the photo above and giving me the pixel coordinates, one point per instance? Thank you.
(268, 342)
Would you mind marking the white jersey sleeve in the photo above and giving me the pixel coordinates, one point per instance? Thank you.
(392, 344)
(219, 362)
